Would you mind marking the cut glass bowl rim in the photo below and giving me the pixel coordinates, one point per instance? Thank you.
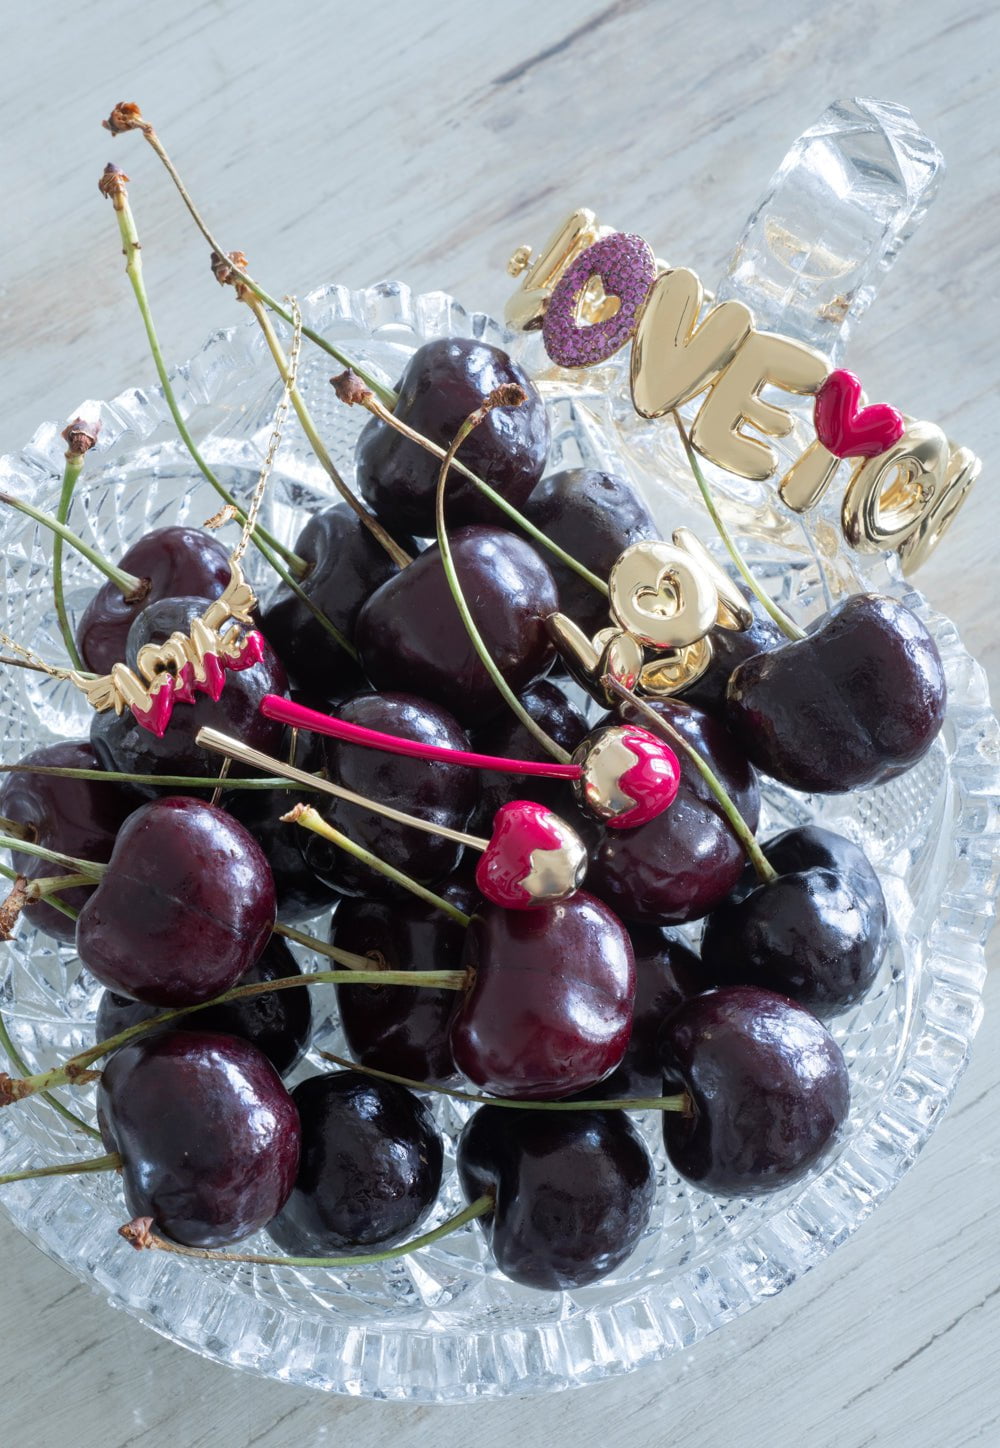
(448, 1364)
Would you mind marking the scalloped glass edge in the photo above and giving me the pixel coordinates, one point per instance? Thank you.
(380, 1361)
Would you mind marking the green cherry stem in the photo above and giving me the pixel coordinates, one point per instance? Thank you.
(140, 1234)
(87, 868)
(76, 1070)
(510, 395)
(127, 117)
(348, 390)
(66, 1168)
(10, 874)
(112, 185)
(658, 725)
(346, 958)
(310, 819)
(44, 886)
(80, 439)
(112, 776)
(19, 1064)
(132, 589)
(680, 1102)
(788, 628)
(398, 555)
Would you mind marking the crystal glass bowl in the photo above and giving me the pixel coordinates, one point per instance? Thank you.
(445, 1325)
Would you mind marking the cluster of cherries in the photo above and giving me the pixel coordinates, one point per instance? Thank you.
(579, 997)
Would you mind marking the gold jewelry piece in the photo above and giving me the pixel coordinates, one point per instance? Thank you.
(903, 499)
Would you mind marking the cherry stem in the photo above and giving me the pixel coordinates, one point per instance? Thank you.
(113, 186)
(496, 399)
(680, 1102)
(74, 466)
(137, 122)
(20, 1064)
(66, 1168)
(15, 829)
(139, 1233)
(658, 725)
(398, 555)
(349, 392)
(236, 749)
(311, 819)
(286, 711)
(63, 909)
(112, 776)
(132, 589)
(788, 628)
(76, 1070)
(45, 885)
(89, 868)
(346, 958)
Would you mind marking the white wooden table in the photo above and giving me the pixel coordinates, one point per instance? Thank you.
(425, 143)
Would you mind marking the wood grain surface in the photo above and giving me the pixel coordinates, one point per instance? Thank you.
(351, 142)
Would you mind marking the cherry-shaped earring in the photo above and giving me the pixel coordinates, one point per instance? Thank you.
(624, 777)
(531, 858)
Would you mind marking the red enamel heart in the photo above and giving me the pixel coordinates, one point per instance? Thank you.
(849, 430)
(533, 857)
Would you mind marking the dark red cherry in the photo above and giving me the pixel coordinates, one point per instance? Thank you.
(370, 1167)
(411, 635)
(123, 744)
(444, 794)
(768, 1084)
(731, 647)
(817, 933)
(393, 1028)
(550, 1008)
(176, 561)
(444, 381)
(507, 736)
(347, 565)
(301, 894)
(594, 517)
(79, 817)
(667, 972)
(279, 1024)
(208, 1134)
(684, 862)
(858, 701)
(573, 1191)
(184, 909)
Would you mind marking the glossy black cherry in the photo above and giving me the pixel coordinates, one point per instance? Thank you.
(412, 638)
(207, 1132)
(858, 701)
(730, 648)
(506, 736)
(550, 1009)
(176, 561)
(573, 1191)
(78, 817)
(594, 517)
(684, 862)
(444, 381)
(346, 565)
(768, 1084)
(817, 933)
(444, 794)
(370, 1167)
(390, 1027)
(185, 907)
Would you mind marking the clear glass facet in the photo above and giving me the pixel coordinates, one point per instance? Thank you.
(832, 219)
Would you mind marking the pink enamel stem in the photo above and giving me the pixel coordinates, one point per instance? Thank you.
(285, 711)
